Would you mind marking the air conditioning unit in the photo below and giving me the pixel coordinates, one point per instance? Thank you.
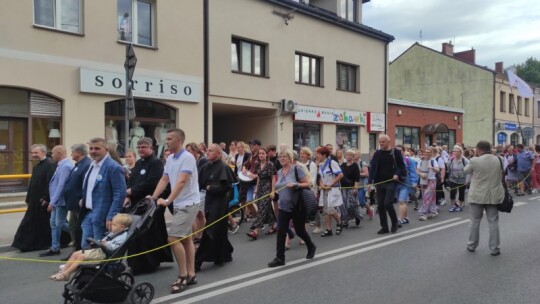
(289, 106)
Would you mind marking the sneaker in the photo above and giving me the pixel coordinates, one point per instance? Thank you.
(422, 218)
(534, 191)
(383, 231)
(432, 214)
(234, 229)
(276, 262)
(317, 230)
(49, 252)
(442, 202)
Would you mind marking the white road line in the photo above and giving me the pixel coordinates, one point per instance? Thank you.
(292, 263)
(517, 204)
(533, 198)
(313, 264)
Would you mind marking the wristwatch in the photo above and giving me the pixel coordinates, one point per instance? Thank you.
(167, 201)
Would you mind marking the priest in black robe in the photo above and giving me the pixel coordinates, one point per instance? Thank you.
(144, 178)
(34, 232)
(215, 178)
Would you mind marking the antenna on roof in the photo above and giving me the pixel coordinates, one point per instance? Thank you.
(420, 36)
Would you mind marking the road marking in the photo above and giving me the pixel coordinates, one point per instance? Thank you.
(533, 198)
(313, 264)
(517, 204)
(400, 235)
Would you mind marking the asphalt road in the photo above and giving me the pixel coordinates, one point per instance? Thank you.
(425, 262)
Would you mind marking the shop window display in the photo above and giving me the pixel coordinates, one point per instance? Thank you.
(306, 135)
(152, 120)
(347, 137)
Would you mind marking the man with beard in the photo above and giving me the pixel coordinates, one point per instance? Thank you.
(34, 232)
(215, 178)
(144, 179)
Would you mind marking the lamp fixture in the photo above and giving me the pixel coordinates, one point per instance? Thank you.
(54, 133)
(286, 15)
(399, 112)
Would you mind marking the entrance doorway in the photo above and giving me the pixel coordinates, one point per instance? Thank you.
(13, 159)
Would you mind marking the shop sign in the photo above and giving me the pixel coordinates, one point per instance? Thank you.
(314, 114)
(346, 117)
(112, 83)
(510, 126)
(376, 122)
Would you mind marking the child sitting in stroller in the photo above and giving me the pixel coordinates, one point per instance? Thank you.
(114, 239)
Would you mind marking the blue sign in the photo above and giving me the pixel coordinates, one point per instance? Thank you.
(510, 126)
(501, 138)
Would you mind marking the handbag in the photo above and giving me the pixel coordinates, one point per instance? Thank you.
(508, 202)
(309, 201)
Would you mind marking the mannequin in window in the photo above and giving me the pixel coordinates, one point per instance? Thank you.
(135, 133)
(111, 135)
(160, 135)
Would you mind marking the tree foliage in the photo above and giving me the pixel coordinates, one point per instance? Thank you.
(530, 71)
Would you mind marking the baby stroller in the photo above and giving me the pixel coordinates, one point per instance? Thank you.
(109, 281)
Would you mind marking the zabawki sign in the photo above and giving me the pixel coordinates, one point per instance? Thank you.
(112, 83)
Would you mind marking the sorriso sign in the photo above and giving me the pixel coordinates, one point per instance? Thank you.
(112, 83)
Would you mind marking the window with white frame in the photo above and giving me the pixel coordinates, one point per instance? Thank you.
(347, 77)
(135, 21)
(348, 10)
(63, 15)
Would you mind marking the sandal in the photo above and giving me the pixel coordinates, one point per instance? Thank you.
(339, 229)
(252, 234)
(453, 208)
(60, 277)
(271, 231)
(191, 280)
(326, 233)
(179, 285)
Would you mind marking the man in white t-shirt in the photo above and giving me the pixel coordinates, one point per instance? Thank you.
(181, 172)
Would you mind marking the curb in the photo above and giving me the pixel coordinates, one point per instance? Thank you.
(14, 210)
(12, 207)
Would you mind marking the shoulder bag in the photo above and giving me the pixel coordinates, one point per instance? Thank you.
(508, 202)
(309, 202)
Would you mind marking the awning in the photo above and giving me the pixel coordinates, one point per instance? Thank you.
(435, 128)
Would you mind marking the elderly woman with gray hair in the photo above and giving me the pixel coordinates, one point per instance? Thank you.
(349, 189)
(290, 179)
(457, 179)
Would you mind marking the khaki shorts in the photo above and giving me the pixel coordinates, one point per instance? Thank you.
(183, 219)
(94, 254)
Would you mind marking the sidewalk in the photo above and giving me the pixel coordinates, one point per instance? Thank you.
(12, 202)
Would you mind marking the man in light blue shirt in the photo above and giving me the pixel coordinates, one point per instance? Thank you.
(524, 165)
(57, 205)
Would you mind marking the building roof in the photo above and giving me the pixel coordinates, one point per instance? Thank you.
(331, 17)
(424, 105)
(443, 54)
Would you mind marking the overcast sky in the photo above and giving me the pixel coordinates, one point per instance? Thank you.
(499, 30)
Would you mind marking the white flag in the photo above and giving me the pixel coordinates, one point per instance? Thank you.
(523, 88)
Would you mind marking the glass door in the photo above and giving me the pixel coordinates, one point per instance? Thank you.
(13, 152)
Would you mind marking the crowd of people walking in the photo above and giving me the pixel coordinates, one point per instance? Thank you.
(194, 181)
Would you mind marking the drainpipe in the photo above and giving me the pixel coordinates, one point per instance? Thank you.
(206, 77)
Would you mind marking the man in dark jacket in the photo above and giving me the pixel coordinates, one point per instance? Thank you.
(34, 232)
(386, 167)
(144, 178)
(73, 190)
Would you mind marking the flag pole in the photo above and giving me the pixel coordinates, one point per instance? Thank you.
(515, 108)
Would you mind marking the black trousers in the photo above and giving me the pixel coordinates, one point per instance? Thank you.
(386, 194)
(299, 220)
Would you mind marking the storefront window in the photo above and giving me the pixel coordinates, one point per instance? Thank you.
(347, 137)
(372, 142)
(408, 137)
(448, 139)
(501, 138)
(514, 139)
(152, 120)
(306, 135)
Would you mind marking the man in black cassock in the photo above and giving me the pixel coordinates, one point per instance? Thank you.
(34, 232)
(145, 176)
(216, 179)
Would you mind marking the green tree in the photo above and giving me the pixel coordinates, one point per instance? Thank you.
(530, 71)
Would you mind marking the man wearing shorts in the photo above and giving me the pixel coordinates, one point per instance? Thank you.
(181, 172)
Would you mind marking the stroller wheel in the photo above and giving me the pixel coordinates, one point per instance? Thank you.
(127, 278)
(142, 293)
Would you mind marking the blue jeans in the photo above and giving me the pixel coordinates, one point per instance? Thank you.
(58, 222)
(362, 197)
(90, 229)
